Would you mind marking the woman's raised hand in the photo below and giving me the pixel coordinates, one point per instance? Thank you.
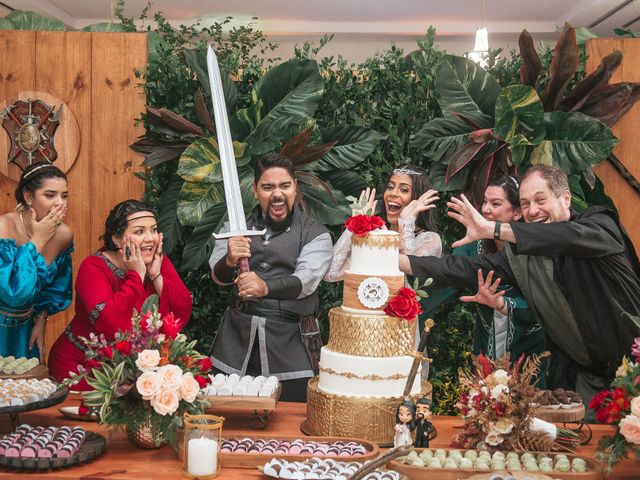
(369, 202)
(47, 227)
(488, 293)
(131, 257)
(427, 201)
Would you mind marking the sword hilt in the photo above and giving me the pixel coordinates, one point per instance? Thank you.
(244, 265)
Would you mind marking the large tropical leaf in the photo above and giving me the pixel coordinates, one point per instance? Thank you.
(195, 198)
(608, 103)
(354, 144)
(290, 94)
(168, 222)
(108, 27)
(197, 60)
(347, 181)
(563, 66)
(578, 199)
(465, 87)
(199, 246)
(519, 116)
(200, 162)
(574, 142)
(439, 139)
(21, 20)
(320, 205)
(531, 64)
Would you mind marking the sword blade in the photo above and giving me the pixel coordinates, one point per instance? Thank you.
(233, 196)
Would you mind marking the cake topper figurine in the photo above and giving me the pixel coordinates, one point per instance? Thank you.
(423, 424)
(405, 415)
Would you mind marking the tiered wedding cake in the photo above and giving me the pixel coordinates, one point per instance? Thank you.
(365, 365)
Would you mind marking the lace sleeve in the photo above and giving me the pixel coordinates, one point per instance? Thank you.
(423, 244)
(341, 258)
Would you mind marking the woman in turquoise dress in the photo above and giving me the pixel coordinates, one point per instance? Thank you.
(35, 261)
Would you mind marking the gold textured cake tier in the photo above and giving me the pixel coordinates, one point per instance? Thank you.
(370, 335)
(377, 241)
(373, 419)
(352, 282)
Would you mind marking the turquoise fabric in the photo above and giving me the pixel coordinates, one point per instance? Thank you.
(29, 286)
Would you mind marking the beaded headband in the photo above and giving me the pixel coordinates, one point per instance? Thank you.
(39, 167)
(513, 179)
(405, 171)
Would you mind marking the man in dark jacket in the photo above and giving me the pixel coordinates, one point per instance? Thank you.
(578, 272)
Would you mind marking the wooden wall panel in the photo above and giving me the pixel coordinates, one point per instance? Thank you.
(63, 69)
(93, 73)
(17, 73)
(117, 100)
(627, 200)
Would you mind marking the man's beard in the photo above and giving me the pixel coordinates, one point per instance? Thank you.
(277, 226)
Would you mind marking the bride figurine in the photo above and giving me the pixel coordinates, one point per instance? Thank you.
(405, 414)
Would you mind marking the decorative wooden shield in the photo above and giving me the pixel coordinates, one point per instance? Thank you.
(38, 127)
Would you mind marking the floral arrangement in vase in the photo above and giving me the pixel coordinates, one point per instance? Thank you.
(620, 406)
(146, 378)
(497, 409)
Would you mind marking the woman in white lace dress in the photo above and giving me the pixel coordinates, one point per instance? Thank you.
(409, 201)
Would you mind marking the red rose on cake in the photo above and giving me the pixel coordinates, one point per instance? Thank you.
(360, 225)
(404, 305)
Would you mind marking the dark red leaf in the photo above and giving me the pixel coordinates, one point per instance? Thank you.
(531, 64)
(466, 120)
(607, 102)
(563, 67)
(179, 123)
(461, 159)
(311, 154)
(600, 76)
(482, 136)
(164, 154)
(630, 102)
(202, 112)
(315, 181)
(296, 145)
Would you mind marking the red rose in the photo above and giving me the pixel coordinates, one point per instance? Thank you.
(407, 293)
(92, 363)
(376, 222)
(204, 364)
(403, 307)
(359, 225)
(106, 351)
(170, 325)
(123, 346)
(83, 410)
(202, 381)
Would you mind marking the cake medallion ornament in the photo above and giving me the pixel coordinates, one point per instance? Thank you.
(373, 292)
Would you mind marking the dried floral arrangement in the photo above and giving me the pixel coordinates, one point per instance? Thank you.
(497, 408)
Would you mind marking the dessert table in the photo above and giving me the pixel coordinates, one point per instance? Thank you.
(124, 461)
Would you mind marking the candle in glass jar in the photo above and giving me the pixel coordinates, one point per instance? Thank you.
(203, 456)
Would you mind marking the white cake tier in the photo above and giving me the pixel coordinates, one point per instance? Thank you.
(351, 375)
(375, 254)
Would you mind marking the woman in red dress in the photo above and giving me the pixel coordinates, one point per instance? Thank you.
(116, 279)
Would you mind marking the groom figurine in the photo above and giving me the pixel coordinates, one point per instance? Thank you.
(424, 427)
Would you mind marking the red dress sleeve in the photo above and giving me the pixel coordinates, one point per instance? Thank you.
(109, 305)
(175, 296)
